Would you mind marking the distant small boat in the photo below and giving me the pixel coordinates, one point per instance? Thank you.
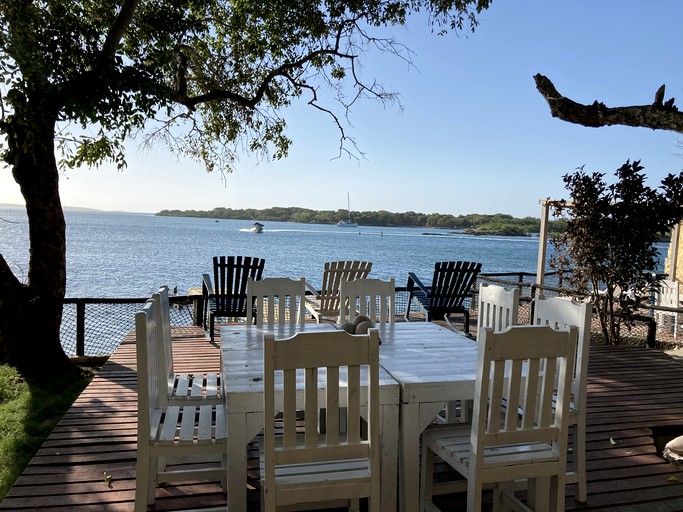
(348, 222)
(257, 228)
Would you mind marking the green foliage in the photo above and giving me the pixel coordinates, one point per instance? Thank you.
(608, 242)
(209, 78)
(28, 413)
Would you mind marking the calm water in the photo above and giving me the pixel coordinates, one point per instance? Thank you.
(131, 255)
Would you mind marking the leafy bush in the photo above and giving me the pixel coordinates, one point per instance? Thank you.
(608, 242)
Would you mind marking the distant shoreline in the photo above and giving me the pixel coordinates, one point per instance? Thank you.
(499, 224)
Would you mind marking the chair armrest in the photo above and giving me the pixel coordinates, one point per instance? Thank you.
(207, 287)
(414, 282)
(315, 292)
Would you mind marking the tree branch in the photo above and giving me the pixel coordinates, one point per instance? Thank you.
(658, 116)
(119, 27)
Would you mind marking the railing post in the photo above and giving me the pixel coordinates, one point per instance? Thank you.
(199, 320)
(80, 328)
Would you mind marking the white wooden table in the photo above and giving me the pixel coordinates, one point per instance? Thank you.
(433, 366)
(242, 380)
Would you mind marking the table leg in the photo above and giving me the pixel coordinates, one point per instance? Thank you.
(237, 462)
(409, 467)
(389, 457)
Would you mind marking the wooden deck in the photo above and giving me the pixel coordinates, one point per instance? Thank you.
(635, 400)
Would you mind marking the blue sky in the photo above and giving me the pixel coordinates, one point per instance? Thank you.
(474, 135)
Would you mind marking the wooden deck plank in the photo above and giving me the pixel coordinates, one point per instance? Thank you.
(632, 392)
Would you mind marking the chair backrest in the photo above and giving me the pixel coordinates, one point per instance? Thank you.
(334, 272)
(149, 392)
(666, 294)
(373, 298)
(498, 307)
(452, 284)
(560, 313)
(333, 359)
(508, 380)
(276, 301)
(164, 346)
(230, 276)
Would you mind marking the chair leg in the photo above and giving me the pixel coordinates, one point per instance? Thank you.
(426, 475)
(152, 480)
(141, 482)
(474, 490)
(580, 462)
(212, 320)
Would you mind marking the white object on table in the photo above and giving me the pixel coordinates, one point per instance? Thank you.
(242, 378)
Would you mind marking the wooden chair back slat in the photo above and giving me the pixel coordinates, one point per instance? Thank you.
(373, 298)
(512, 360)
(230, 282)
(333, 274)
(325, 302)
(276, 301)
(334, 358)
(498, 308)
(452, 283)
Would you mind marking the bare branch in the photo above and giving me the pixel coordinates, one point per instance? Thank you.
(658, 116)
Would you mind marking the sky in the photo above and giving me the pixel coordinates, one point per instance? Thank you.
(472, 133)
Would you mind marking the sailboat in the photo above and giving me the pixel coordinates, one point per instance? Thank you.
(348, 222)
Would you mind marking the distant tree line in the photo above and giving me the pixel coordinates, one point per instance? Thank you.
(473, 223)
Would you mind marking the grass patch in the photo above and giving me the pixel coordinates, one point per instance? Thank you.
(28, 413)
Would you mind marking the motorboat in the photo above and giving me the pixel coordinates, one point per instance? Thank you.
(257, 228)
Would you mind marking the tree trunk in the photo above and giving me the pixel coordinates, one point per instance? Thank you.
(31, 312)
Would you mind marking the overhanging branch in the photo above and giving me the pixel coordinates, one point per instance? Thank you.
(658, 116)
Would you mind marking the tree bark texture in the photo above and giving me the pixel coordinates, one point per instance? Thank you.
(658, 116)
(31, 312)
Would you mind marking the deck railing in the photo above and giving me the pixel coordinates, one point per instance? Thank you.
(96, 326)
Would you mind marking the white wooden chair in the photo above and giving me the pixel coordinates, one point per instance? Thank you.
(276, 301)
(559, 313)
(666, 295)
(191, 432)
(306, 467)
(325, 303)
(373, 298)
(498, 307)
(500, 446)
(181, 387)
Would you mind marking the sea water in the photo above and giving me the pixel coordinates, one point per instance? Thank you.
(112, 254)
